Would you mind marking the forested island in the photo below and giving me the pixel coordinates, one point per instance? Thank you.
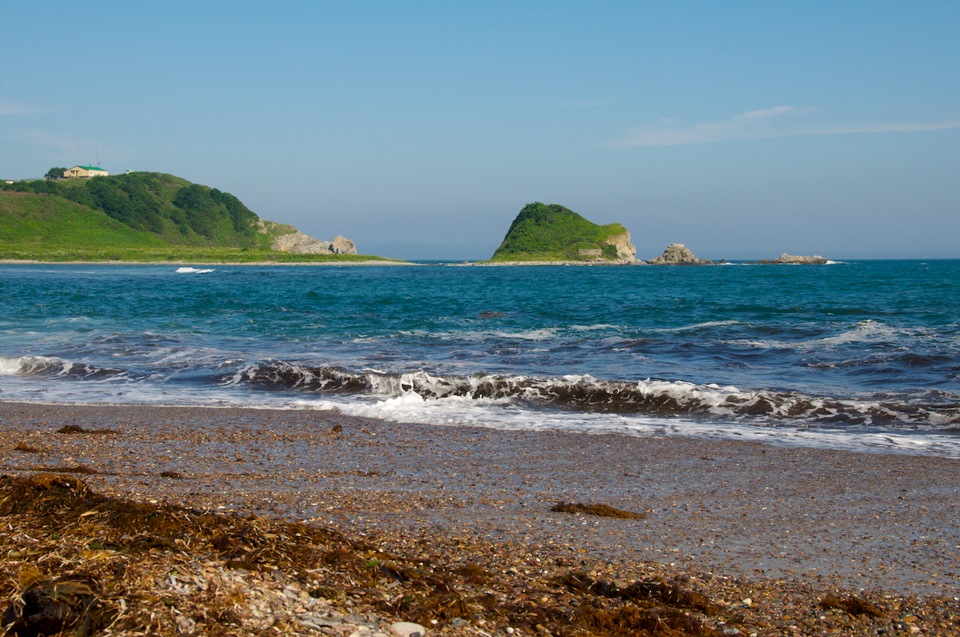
(147, 216)
(553, 233)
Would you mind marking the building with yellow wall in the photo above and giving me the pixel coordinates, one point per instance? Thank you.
(84, 172)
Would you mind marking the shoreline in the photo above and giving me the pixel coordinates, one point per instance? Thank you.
(208, 263)
(771, 536)
(762, 510)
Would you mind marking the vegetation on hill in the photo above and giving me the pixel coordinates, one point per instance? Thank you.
(171, 208)
(551, 232)
(138, 217)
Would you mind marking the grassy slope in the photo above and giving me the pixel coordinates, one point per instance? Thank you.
(543, 232)
(33, 224)
(52, 227)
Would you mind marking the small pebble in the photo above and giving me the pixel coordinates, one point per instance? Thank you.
(408, 629)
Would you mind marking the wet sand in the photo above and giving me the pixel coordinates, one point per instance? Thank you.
(824, 518)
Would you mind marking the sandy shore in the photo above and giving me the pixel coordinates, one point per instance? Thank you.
(814, 519)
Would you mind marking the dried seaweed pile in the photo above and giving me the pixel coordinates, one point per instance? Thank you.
(77, 563)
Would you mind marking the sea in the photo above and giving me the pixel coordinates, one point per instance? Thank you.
(853, 355)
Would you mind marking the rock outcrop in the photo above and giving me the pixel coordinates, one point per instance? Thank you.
(342, 245)
(678, 254)
(626, 251)
(300, 243)
(804, 260)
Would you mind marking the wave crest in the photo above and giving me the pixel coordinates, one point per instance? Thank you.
(281, 375)
(52, 366)
(585, 393)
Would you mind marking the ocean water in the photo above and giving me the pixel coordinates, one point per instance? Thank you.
(860, 355)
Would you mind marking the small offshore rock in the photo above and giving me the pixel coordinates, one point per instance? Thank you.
(678, 254)
(803, 260)
(408, 629)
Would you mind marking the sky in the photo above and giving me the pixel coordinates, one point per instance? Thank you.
(419, 129)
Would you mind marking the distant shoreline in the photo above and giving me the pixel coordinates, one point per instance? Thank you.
(445, 263)
(208, 263)
(563, 263)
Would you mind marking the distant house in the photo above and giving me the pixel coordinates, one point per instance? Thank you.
(84, 172)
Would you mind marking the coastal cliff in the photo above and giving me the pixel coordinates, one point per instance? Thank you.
(289, 239)
(553, 233)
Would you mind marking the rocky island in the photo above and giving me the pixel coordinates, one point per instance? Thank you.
(678, 254)
(543, 233)
(791, 259)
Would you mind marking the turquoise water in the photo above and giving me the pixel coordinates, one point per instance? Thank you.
(862, 355)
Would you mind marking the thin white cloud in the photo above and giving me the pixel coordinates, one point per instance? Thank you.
(64, 144)
(8, 107)
(764, 123)
(765, 113)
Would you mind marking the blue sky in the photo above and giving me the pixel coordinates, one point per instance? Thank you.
(419, 129)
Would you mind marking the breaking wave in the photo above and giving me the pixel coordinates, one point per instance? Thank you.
(661, 398)
(52, 366)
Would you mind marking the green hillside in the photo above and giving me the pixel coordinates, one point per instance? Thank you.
(134, 217)
(544, 232)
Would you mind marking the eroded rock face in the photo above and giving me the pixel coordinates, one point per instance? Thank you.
(625, 250)
(678, 254)
(300, 243)
(342, 245)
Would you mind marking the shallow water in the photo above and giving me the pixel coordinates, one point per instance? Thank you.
(854, 355)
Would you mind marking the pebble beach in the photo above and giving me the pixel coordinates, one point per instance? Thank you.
(766, 533)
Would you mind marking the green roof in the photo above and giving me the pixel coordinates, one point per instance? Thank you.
(91, 167)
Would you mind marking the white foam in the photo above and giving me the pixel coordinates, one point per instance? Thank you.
(595, 328)
(506, 414)
(479, 336)
(864, 332)
(868, 331)
(189, 270)
(396, 403)
(542, 334)
(697, 326)
(9, 366)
